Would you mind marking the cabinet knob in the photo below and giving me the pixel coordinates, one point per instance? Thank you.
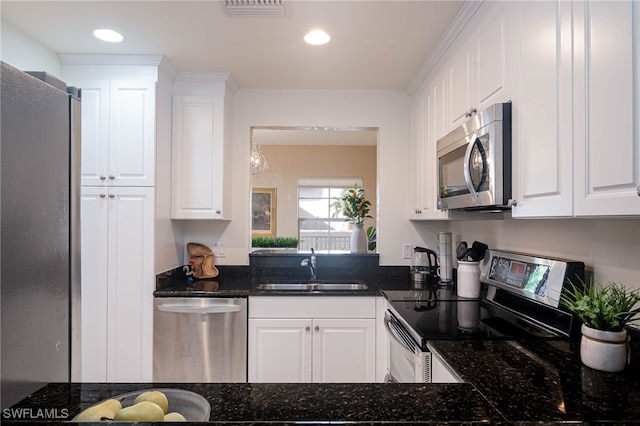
(512, 202)
(638, 190)
(307, 328)
(317, 328)
(102, 177)
(218, 211)
(102, 195)
(112, 196)
(112, 177)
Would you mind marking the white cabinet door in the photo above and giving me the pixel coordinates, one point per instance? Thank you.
(312, 339)
(132, 133)
(441, 372)
(131, 283)
(279, 350)
(419, 183)
(542, 154)
(94, 217)
(607, 108)
(479, 72)
(198, 187)
(95, 132)
(117, 283)
(344, 351)
(492, 72)
(460, 75)
(118, 133)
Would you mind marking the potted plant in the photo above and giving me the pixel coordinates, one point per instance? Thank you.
(604, 312)
(355, 207)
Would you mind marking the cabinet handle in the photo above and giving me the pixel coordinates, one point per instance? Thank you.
(102, 177)
(638, 190)
(112, 177)
(512, 202)
(317, 328)
(307, 328)
(472, 111)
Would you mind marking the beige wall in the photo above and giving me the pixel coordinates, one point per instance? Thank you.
(288, 163)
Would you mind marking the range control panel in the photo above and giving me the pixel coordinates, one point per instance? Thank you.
(535, 277)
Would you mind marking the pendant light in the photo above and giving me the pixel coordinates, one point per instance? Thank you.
(258, 161)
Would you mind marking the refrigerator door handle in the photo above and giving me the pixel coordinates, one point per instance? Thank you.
(186, 309)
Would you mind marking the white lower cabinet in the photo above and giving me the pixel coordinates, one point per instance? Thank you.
(312, 339)
(441, 372)
(117, 226)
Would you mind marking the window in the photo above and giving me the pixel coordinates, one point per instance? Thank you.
(321, 224)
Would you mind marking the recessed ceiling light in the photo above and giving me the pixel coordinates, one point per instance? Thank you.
(317, 37)
(106, 34)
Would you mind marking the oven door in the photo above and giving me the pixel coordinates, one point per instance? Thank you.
(408, 363)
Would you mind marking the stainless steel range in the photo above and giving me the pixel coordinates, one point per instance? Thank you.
(521, 301)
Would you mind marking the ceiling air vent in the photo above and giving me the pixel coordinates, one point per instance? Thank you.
(255, 7)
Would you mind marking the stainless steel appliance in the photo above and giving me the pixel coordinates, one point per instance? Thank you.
(474, 162)
(413, 318)
(199, 339)
(40, 233)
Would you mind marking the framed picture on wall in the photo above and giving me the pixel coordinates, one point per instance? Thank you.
(263, 212)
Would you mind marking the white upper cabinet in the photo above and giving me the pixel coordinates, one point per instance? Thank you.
(419, 184)
(427, 122)
(479, 72)
(199, 147)
(541, 115)
(118, 132)
(607, 108)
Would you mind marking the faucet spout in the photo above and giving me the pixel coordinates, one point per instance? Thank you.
(311, 263)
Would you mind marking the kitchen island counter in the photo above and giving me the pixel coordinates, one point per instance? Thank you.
(271, 403)
(534, 381)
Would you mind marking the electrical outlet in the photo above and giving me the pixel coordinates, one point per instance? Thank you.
(218, 250)
(406, 251)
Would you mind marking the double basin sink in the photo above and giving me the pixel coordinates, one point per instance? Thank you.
(314, 286)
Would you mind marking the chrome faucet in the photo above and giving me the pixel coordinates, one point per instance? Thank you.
(311, 263)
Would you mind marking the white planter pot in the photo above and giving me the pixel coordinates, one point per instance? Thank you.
(358, 242)
(604, 350)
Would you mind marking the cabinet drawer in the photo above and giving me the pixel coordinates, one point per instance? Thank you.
(312, 307)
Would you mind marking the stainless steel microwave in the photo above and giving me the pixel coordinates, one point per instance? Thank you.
(474, 162)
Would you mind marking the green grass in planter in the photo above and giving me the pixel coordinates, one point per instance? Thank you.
(274, 242)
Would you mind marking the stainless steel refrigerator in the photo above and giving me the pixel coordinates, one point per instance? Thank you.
(40, 245)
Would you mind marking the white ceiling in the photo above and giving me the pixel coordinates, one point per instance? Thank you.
(375, 44)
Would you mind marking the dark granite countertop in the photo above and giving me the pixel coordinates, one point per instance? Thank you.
(545, 381)
(239, 281)
(259, 403)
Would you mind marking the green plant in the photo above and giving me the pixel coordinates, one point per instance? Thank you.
(608, 307)
(273, 242)
(355, 206)
(371, 238)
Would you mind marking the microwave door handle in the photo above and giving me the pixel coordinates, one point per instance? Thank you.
(467, 171)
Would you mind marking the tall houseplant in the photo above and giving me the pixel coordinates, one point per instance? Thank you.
(605, 310)
(355, 207)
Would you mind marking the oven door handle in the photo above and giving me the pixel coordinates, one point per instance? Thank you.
(396, 331)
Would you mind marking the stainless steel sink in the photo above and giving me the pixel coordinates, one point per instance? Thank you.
(314, 286)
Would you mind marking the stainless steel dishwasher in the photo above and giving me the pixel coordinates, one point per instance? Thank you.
(199, 339)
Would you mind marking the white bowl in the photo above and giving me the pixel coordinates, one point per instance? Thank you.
(192, 406)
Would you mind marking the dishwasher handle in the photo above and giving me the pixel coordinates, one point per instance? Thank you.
(190, 309)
